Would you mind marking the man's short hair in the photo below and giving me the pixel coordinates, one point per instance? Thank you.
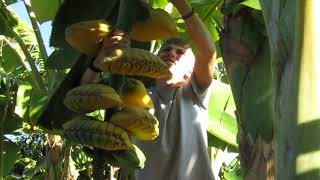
(176, 41)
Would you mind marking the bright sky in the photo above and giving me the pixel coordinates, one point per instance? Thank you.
(45, 28)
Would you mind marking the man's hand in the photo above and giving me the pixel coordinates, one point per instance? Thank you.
(117, 39)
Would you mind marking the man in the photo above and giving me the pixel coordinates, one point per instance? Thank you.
(180, 151)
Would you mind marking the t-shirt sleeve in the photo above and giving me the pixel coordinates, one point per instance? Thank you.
(200, 95)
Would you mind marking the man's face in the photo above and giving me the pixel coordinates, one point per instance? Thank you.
(171, 54)
(180, 62)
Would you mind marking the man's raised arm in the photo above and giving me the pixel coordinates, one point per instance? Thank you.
(200, 36)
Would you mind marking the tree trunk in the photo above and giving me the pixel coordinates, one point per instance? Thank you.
(246, 55)
(69, 171)
(293, 28)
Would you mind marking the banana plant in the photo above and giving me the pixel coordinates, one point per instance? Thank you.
(9, 123)
(41, 74)
(51, 118)
(246, 55)
(294, 44)
(23, 74)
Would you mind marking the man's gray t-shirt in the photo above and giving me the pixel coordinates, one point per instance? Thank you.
(180, 151)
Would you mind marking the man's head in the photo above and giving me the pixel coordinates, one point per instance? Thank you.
(172, 50)
(176, 41)
(176, 53)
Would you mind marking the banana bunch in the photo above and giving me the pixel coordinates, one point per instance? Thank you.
(130, 118)
(86, 36)
(133, 99)
(128, 101)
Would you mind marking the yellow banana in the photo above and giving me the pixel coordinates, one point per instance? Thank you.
(84, 130)
(138, 122)
(90, 97)
(134, 93)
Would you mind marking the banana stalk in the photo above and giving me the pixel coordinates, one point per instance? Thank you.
(42, 48)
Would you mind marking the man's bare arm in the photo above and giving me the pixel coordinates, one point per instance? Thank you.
(206, 52)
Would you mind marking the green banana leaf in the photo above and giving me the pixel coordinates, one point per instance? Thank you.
(38, 101)
(255, 4)
(6, 21)
(10, 59)
(222, 119)
(19, 30)
(30, 103)
(62, 58)
(10, 155)
(159, 3)
(23, 99)
(12, 121)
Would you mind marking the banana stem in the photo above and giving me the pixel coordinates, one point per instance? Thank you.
(43, 51)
